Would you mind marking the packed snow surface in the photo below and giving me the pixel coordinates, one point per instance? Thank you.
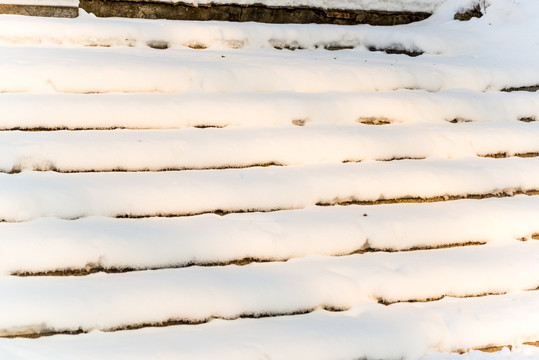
(68, 151)
(211, 239)
(155, 173)
(405, 330)
(196, 294)
(30, 195)
(276, 109)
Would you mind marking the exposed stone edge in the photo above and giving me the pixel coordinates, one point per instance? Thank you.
(32, 333)
(93, 269)
(40, 10)
(149, 9)
(532, 88)
(469, 14)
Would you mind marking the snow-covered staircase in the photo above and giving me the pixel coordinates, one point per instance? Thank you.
(186, 190)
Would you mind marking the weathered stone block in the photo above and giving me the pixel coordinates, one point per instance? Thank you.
(149, 9)
(39, 10)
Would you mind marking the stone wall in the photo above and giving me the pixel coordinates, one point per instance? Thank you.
(40, 10)
(148, 9)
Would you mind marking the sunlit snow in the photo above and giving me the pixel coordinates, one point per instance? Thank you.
(381, 206)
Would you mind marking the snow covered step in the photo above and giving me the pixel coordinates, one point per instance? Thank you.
(439, 35)
(235, 148)
(30, 195)
(131, 70)
(49, 8)
(87, 30)
(164, 111)
(198, 294)
(367, 330)
(98, 243)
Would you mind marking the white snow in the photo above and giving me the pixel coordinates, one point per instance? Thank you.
(303, 112)
(196, 294)
(221, 148)
(165, 111)
(369, 330)
(458, 55)
(30, 195)
(97, 70)
(207, 239)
